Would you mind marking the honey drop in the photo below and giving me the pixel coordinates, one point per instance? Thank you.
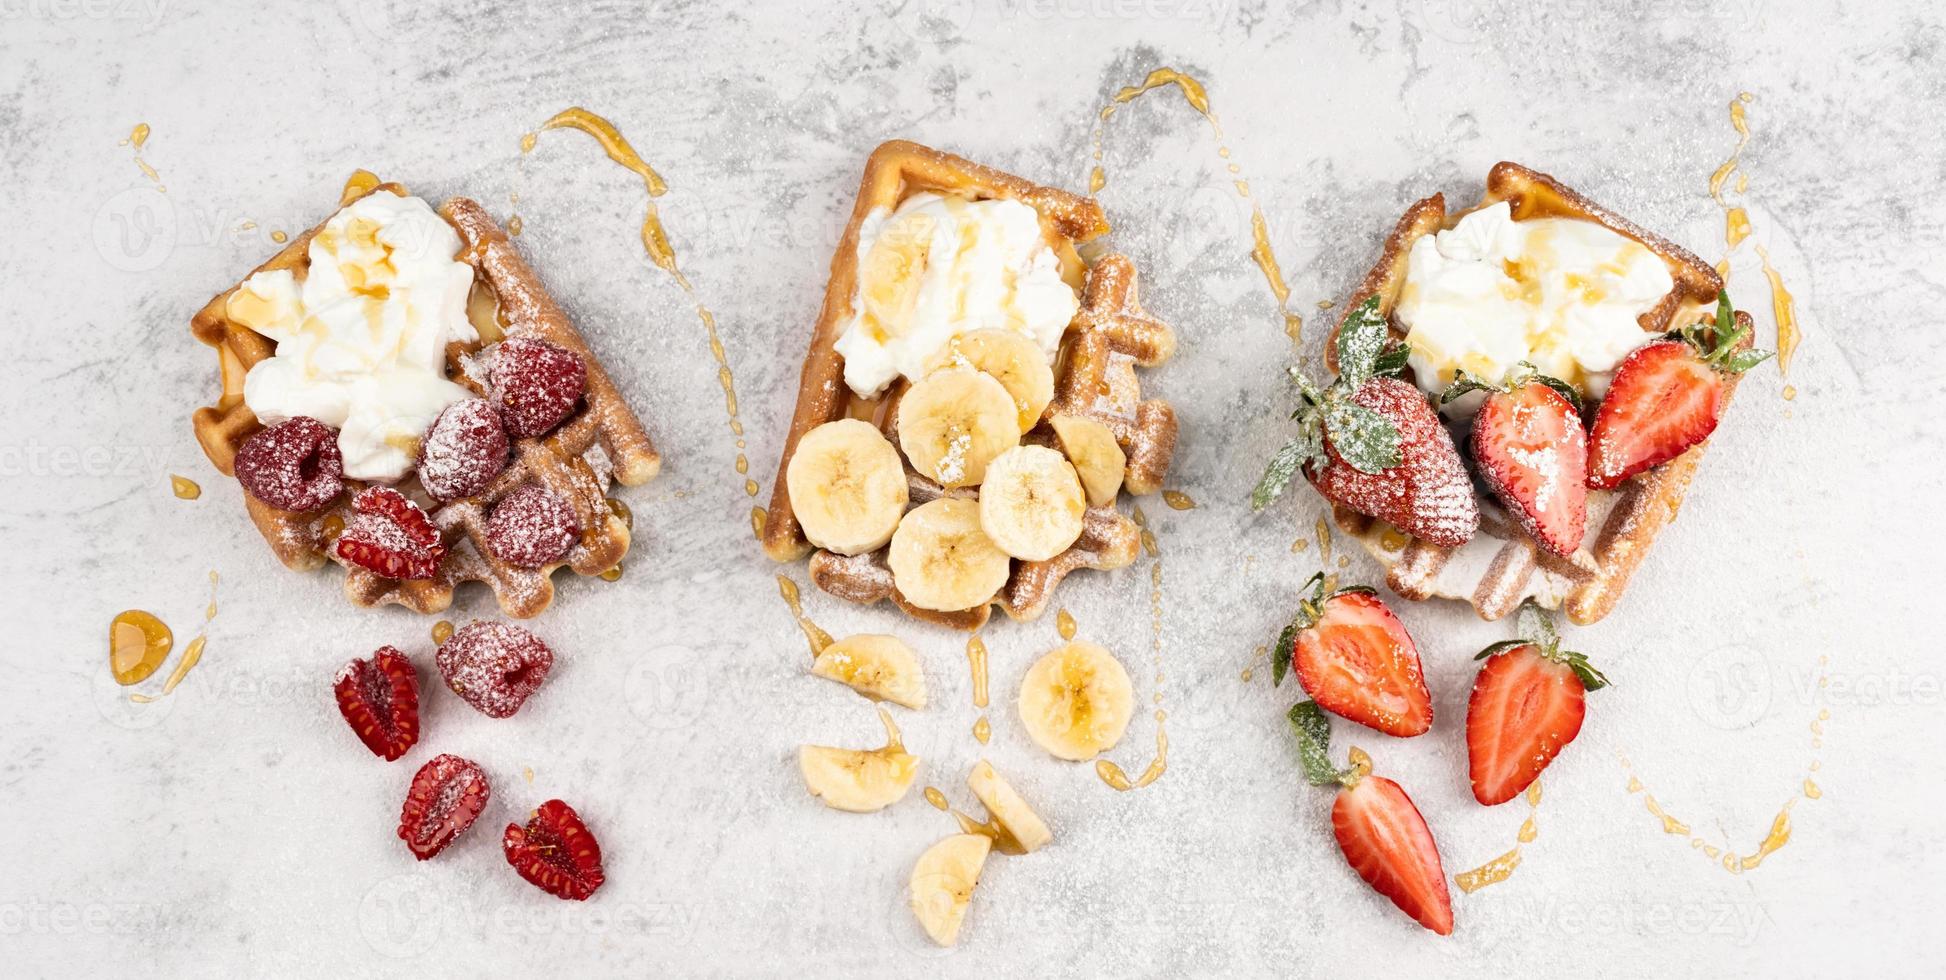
(138, 643)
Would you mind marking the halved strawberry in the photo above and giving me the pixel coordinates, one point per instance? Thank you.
(447, 795)
(1356, 659)
(555, 852)
(1527, 705)
(1667, 396)
(1382, 834)
(1532, 453)
(379, 698)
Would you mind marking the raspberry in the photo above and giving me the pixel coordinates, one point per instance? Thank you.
(494, 666)
(531, 527)
(555, 852)
(391, 536)
(380, 700)
(293, 465)
(535, 385)
(463, 451)
(447, 794)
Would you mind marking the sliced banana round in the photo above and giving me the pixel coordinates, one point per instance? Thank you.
(1076, 701)
(1012, 358)
(1098, 459)
(847, 487)
(942, 884)
(953, 422)
(1015, 818)
(942, 561)
(1031, 503)
(878, 666)
(859, 780)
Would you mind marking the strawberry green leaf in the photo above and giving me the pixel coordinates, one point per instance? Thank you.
(1365, 439)
(1591, 679)
(1745, 360)
(1313, 731)
(1284, 466)
(1726, 315)
(1537, 626)
(1463, 383)
(1392, 361)
(1361, 338)
(1280, 655)
(1562, 388)
(1501, 647)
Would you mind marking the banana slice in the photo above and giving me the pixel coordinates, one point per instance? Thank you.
(892, 272)
(1031, 503)
(942, 561)
(1098, 459)
(880, 667)
(942, 884)
(847, 487)
(1015, 817)
(1076, 701)
(859, 780)
(1012, 358)
(953, 422)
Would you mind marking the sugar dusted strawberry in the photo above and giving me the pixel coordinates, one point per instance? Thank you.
(555, 852)
(463, 451)
(1533, 454)
(447, 795)
(390, 535)
(1528, 703)
(293, 465)
(1667, 396)
(1355, 658)
(1382, 834)
(494, 667)
(379, 698)
(535, 385)
(1372, 442)
(531, 527)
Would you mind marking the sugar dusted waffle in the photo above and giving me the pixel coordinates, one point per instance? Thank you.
(598, 441)
(1502, 565)
(1088, 420)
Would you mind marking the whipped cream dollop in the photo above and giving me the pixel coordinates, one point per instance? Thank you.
(1560, 293)
(361, 339)
(939, 266)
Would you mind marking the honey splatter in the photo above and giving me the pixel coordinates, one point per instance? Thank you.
(814, 636)
(184, 487)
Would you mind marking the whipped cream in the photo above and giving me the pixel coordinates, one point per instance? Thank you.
(1560, 293)
(361, 340)
(937, 267)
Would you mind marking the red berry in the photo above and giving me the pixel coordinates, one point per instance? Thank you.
(463, 451)
(1533, 455)
(494, 666)
(447, 795)
(1526, 707)
(1428, 494)
(1664, 399)
(293, 465)
(1387, 842)
(555, 852)
(379, 698)
(1358, 662)
(391, 536)
(531, 527)
(535, 385)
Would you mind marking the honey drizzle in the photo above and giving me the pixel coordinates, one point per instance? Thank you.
(138, 644)
(655, 242)
(138, 137)
(816, 637)
(1197, 96)
(976, 661)
(1501, 868)
(982, 730)
(442, 631)
(1177, 500)
(192, 654)
(184, 487)
(1737, 228)
(1106, 769)
(937, 798)
(1064, 624)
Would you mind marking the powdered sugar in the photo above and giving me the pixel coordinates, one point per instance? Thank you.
(464, 450)
(532, 527)
(494, 666)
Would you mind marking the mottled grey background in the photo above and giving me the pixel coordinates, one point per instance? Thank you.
(237, 829)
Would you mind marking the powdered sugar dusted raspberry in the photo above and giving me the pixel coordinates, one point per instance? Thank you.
(1428, 495)
(391, 536)
(532, 527)
(535, 384)
(494, 666)
(293, 465)
(464, 450)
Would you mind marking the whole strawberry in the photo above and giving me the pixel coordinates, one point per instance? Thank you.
(1527, 705)
(1532, 453)
(1667, 396)
(1374, 444)
(1355, 658)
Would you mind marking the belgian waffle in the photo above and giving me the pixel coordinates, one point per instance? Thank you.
(1095, 376)
(600, 442)
(1502, 566)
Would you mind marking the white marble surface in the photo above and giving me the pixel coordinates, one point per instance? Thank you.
(237, 829)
